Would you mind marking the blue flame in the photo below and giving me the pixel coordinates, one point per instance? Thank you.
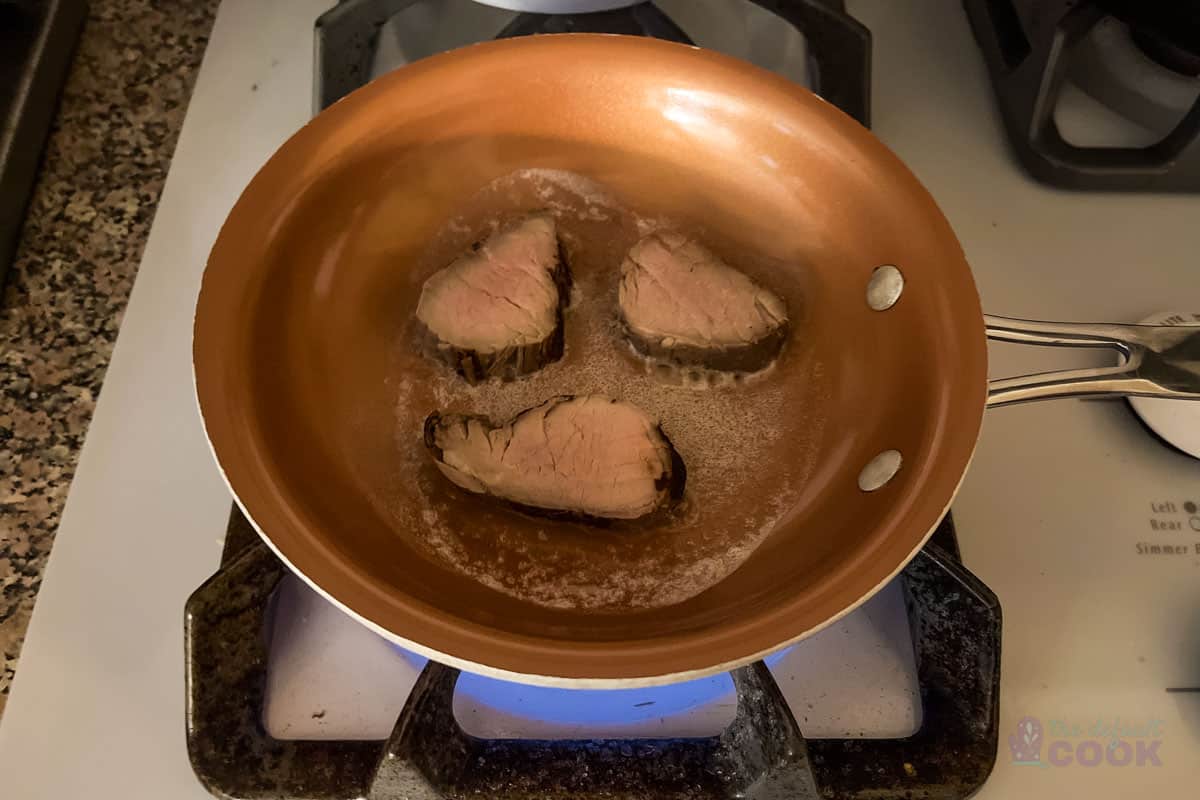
(593, 706)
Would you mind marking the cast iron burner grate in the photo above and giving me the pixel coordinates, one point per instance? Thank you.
(1028, 44)
(955, 625)
(953, 617)
(839, 47)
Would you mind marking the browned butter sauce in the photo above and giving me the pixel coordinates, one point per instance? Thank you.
(747, 449)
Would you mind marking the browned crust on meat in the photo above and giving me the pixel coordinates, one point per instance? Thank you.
(674, 481)
(749, 357)
(511, 362)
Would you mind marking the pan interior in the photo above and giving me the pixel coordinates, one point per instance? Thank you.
(310, 388)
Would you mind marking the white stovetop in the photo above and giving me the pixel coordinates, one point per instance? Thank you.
(1050, 516)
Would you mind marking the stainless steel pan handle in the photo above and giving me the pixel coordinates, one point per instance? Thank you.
(1156, 361)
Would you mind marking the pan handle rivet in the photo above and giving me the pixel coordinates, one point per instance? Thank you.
(879, 470)
(885, 287)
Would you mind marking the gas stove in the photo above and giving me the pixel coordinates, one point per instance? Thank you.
(323, 708)
(1081, 522)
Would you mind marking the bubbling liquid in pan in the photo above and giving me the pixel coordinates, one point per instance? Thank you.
(747, 449)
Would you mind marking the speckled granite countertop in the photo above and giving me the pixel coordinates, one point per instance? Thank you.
(103, 169)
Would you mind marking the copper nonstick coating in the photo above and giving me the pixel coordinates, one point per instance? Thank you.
(310, 279)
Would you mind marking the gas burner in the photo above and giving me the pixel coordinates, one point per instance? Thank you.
(954, 622)
(1137, 62)
(818, 44)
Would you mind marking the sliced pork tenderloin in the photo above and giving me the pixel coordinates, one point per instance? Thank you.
(497, 311)
(680, 303)
(587, 456)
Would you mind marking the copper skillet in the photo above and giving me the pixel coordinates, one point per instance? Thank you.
(289, 339)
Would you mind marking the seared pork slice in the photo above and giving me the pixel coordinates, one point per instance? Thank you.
(497, 311)
(681, 303)
(586, 456)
